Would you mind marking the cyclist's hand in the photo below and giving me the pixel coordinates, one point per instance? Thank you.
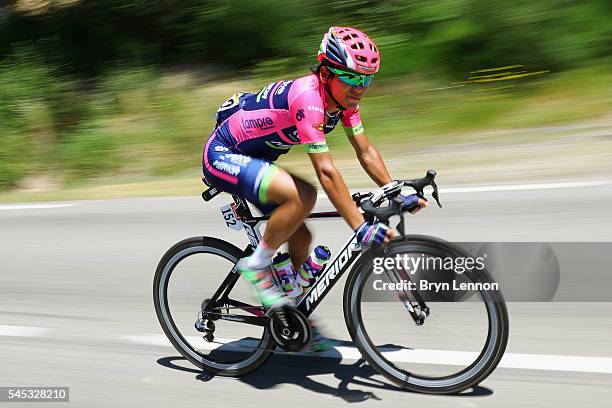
(377, 233)
(413, 203)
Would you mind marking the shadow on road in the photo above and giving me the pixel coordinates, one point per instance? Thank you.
(298, 370)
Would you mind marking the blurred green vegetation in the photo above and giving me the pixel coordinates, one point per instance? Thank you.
(129, 88)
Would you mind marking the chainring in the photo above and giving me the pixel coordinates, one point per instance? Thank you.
(290, 329)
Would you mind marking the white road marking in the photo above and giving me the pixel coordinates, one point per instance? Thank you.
(548, 362)
(437, 357)
(475, 189)
(509, 187)
(520, 187)
(22, 331)
(35, 206)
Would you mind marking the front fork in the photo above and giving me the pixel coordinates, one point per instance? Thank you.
(412, 300)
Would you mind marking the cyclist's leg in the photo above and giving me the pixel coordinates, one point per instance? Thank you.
(295, 199)
(291, 200)
(299, 244)
(271, 189)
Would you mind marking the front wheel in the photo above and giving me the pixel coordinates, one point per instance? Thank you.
(197, 275)
(456, 346)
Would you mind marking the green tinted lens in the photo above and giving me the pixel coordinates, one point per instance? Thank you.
(351, 78)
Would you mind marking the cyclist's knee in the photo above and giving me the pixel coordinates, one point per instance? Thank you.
(288, 189)
(307, 195)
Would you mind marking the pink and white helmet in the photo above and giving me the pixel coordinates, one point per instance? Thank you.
(350, 48)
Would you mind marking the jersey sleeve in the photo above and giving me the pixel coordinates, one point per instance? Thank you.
(351, 122)
(307, 112)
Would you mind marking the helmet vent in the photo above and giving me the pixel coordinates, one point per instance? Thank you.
(350, 48)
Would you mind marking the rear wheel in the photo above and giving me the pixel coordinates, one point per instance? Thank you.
(187, 278)
(459, 343)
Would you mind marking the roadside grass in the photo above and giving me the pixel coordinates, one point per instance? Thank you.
(147, 132)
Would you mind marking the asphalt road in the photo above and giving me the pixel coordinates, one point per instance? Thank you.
(76, 307)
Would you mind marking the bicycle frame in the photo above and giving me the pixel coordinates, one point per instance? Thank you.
(315, 294)
(289, 329)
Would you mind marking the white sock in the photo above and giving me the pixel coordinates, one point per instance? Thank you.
(262, 256)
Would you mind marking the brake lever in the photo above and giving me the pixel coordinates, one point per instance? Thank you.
(358, 198)
(419, 186)
(435, 194)
(383, 214)
(396, 204)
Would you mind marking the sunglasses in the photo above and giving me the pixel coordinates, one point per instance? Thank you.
(351, 78)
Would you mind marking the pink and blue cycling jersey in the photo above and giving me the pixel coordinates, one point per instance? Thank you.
(281, 115)
(254, 129)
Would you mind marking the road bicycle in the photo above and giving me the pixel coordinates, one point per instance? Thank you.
(399, 333)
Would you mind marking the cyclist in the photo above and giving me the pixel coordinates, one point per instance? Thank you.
(253, 129)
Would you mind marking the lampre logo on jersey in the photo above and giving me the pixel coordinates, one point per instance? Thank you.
(259, 123)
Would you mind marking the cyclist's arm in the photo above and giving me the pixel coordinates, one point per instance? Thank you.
(368, 155)
(370, 159)
(334, 186)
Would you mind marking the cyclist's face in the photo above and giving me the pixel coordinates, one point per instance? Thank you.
(347, 95)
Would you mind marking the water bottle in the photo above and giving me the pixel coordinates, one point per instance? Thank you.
(313, 265)
(287, 275)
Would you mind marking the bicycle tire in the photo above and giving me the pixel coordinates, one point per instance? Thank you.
(481, 368)
(166, 266)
